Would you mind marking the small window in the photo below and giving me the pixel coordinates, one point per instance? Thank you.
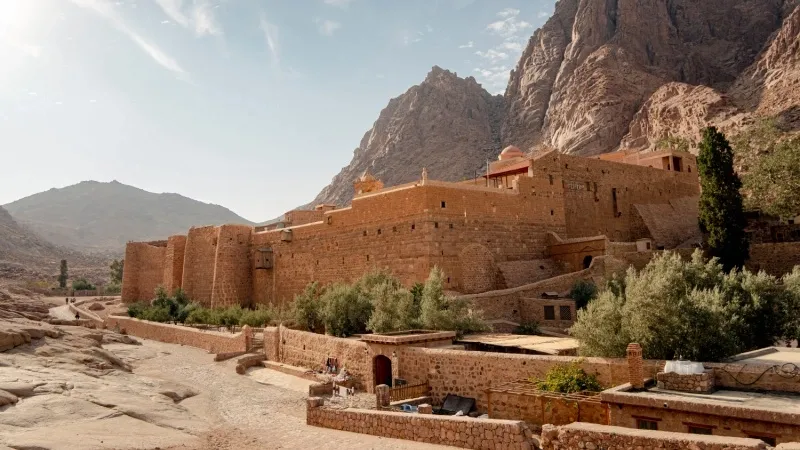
(552, 212)
(549, 313)
(444, 204)
(565, 312)
(448, 280)
(367, 257)
(648, 245)
(699, 429)
(451, 226)
(644, 424)
(435, 224)
(365, 232)
(413, 227)
(379, 231)
(588, 186)
(394, 229)
(551, 179)
(770, 440)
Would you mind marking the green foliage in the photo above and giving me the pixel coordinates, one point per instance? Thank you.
(308, 308)
(81, 284)
(567, 379)
(203, 316)
(773, 181)
(347, 309)
(675, 143)
(692, 309)
(115, 272)
(582, 292)
(259, 317)
(439, 313)
(63, 274)
(530, 328)
(721, 207)
(112, 289)
(136, 310)
(393, 308)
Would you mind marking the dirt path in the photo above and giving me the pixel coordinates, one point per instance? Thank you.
(263, 409)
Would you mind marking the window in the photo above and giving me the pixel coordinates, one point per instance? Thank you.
(552, 212)
(444, 204)
(413, 227)
(394, 229)
(435, 224)
(614, 201)
(645, 424)
(451, 226)
(379, 231)
(770, 440)
(565, 312)
(700, 429)
(365, 232)
(549, 313)
(551, 179)
(588, 186)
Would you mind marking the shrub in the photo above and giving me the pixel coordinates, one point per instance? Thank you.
(393, 308)
(568, 379)
(692, 309)
(440, 313)
(582, 292)
(229, 317)
(136, 310)
(347, 310)
(112, 289)
(81, 284)
(156, 314)
(529, 328)
(203, 316)
(308, 309)
(256, 318)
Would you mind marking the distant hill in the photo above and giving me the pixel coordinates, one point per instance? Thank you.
(25, 255)
(101, 217)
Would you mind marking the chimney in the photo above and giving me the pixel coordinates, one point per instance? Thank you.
(635, 370)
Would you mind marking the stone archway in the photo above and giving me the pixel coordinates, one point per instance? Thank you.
(382, 369)
(587, 261)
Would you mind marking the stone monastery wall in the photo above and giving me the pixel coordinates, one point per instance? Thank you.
(198, 265)
(144, 270)
(173, 263)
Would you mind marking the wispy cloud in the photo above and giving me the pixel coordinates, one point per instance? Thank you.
(543, 15)
(409, 37)
(271, 37)
(106, 11)
(492, 55)
(496, 77)
(510, 25)
(339, 3)
(327, 27)
(469, 44)
(196, 15)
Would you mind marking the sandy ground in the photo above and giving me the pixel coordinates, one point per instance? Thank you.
(263, 409)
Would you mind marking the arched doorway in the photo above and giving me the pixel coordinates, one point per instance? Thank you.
(587, 261)
(382, 368)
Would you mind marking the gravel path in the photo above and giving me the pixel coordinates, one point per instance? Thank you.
(263, 409)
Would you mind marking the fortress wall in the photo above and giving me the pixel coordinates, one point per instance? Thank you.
(173, 263)
(775, 259)
(143, 271)
(588, 197)
(198, 264)
(233, 268)
(407, 231)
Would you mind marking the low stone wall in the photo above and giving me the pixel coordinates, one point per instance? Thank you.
(86, 315)
(592, 436)
(759, 377)
(462, 432)
(546, 408)
(245, 362)
(211, 341)
(311, 350)
(702, 382)
(775, 259)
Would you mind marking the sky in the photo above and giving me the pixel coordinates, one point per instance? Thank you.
(250, 104)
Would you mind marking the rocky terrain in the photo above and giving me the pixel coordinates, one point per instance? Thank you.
(26, 255)
(447, 124)
(600, 75)
(101, 217)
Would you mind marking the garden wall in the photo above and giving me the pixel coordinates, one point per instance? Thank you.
(211, 341)
(462, 432)
(588, 435)
(311, 350)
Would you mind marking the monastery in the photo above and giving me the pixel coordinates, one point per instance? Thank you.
(531, 217)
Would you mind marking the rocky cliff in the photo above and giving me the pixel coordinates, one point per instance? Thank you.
(448, 124)
(598, 76)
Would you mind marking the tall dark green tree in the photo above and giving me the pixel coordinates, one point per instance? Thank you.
(63, 275)
(722, 219)
(116, 268)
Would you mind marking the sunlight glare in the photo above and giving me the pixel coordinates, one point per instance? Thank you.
(16, 15)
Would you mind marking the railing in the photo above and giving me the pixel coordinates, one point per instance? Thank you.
(409, 391)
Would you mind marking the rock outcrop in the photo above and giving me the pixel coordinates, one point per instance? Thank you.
(448, 124)
(597, 62)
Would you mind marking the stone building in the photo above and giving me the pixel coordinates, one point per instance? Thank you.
(528, 218)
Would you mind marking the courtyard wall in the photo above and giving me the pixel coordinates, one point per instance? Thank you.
(211, 341)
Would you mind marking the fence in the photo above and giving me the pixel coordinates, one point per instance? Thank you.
(409, 391)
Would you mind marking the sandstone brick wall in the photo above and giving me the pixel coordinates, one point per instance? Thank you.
(299, 348)
(442, 430)
(143, 271)
(537, 410)
(173, 263)
(514, 308)
(519, 273)
(572, 255)
(479, 272)
(592, 436)
(533, 309)
(233, 281)
(198, 266)
(302, 217)
(588, 184)
(211, 341)
(776, 259)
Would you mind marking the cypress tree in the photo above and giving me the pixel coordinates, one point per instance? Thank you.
(721, 214)
(63, 275)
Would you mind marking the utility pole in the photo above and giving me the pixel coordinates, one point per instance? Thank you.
(486, 151)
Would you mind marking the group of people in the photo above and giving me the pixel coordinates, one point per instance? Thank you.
(68, 301)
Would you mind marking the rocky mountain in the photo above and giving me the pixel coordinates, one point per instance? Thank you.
(600, 75)
(101, 217)
(449, 125)
(25, 255)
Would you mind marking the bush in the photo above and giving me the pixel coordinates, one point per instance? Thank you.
(203, 316)
(440, 313)
(112, 289)
(81, 284)
(568, 379)
(347, 310)
(156, 314)
(582, 292)
(393, 308)
(530, 328)
(308, 309)
(259, 317)
(136, 310)
(692, 309)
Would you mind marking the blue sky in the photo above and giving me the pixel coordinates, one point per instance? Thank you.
(251, 104)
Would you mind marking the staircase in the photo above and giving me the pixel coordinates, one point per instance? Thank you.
(257, 345)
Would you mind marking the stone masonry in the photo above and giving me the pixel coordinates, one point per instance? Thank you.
(702, 382)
